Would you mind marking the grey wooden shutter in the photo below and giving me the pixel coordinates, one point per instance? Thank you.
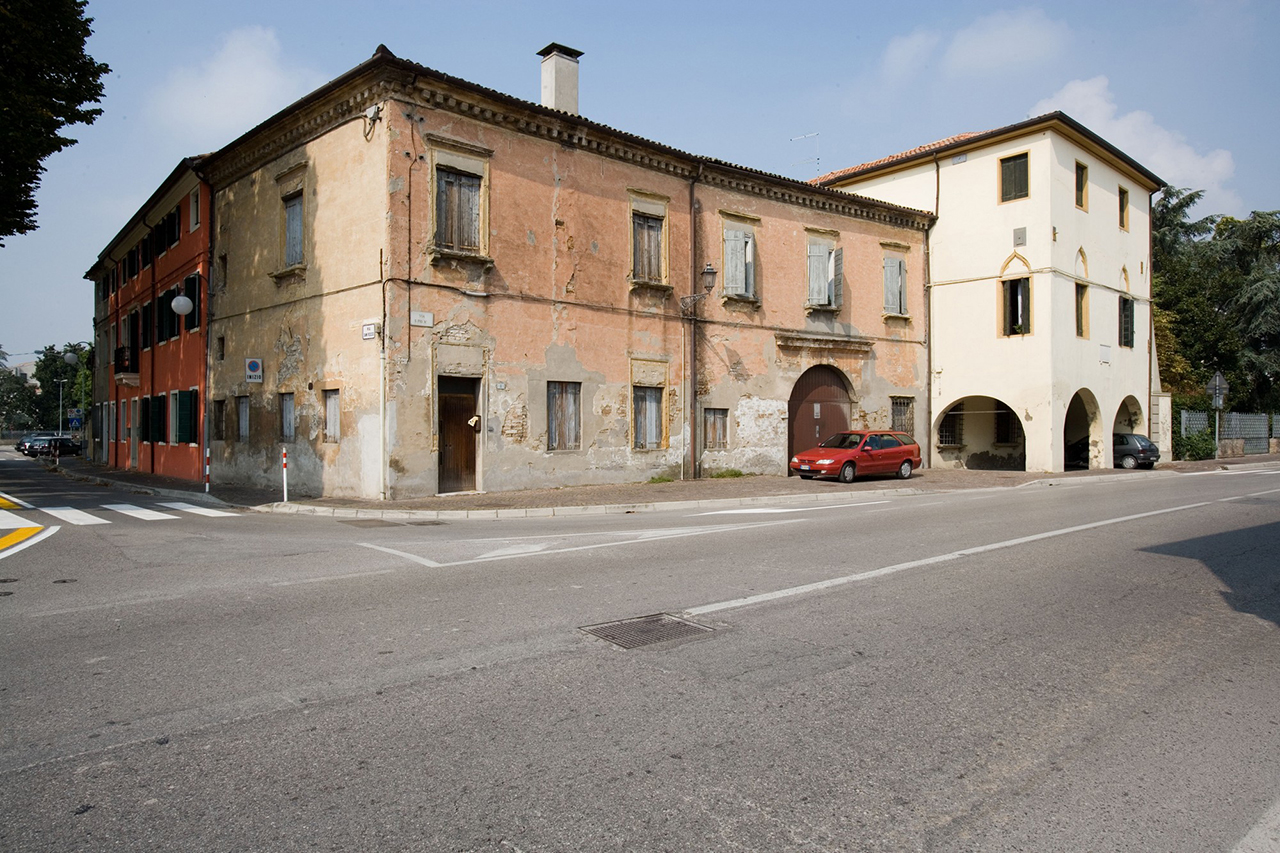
(293, 231)
(837, 278)
(902, 286)
(444, 223)
(817, 274)
(469, 212)
(735, 262)
(890, 269)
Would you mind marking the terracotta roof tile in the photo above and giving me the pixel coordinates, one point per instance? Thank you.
(822, 180)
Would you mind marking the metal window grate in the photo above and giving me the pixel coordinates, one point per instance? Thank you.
(646, 630)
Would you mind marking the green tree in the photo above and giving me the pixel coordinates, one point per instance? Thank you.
(1250, 253)
(46, 78)
(17, 402)
(51, 368)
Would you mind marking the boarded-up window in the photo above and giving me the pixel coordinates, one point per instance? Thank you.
(1017, 306)
(715, 429)
(219, 420)
(1008, 427)
(286, 417)
(457, 210)
(951, 428)
(293, 230)
(1126, 321)
(242, 418)
(647, 420)
(739, 263)
(904, 414)
(1013, 177)
(895, 285)
(332, 413)
(564, 422)
(646, 247)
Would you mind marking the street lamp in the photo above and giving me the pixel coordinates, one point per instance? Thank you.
(61, 382)
(689, 307)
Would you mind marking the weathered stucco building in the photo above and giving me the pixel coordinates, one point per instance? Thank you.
(421, 285)
(1040, 291)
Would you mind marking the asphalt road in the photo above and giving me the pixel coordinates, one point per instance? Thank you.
(1082, 667)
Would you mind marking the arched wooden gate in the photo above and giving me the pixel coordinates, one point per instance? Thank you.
(819, 406)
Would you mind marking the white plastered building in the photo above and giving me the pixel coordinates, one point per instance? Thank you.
(1039, 290)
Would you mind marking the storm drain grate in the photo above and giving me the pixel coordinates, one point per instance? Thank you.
(646, 630)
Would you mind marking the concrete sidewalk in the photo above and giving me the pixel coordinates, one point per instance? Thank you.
(621, 498)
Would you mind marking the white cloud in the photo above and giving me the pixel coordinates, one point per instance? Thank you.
(1161, 150)
(905, 55)
(244, 82)
(1006, 40)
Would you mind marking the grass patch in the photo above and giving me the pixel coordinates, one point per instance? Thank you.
(660, 479)
(727, 473)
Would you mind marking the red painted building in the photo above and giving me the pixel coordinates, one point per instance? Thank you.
(149, 369)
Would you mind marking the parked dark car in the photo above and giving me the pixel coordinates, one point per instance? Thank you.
(1129, 450)
(26, 440)
(57, 445)
(1134, 451)
(845, 455)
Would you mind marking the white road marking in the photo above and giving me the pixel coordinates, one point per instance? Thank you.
(138, 512)
(647, 536)
(928, 561)
(22, 546)
(768, 510)
(74, 516)
(18, 501)
(529, 548)
(198, 510)
(334, 577)
(1264, 837)
(1260, 494)
(9, 521)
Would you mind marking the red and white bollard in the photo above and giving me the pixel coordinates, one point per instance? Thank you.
(284, 467)
(206, 470)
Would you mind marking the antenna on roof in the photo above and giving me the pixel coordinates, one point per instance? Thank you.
(816, 159)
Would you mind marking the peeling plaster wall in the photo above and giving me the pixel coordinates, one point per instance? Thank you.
(303, 323)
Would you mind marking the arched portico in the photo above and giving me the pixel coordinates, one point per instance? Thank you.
(1084, 445)
(981, 433)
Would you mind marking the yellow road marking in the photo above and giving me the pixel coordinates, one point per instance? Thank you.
(22, 534)
(5, 503)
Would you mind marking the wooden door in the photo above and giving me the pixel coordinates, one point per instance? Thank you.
(457, 436)
(819, 408)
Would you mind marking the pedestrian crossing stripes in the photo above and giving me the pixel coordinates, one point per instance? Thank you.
(10, 520)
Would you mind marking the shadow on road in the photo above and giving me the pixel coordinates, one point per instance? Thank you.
(1244, 560)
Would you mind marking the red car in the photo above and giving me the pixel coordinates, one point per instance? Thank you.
(845, 455)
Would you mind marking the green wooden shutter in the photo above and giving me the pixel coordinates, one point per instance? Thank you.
(144, 419)
(183, 426)
(158, 424)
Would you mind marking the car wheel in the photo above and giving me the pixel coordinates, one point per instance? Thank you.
(1128, 462)
(904, 470)
(848, 472)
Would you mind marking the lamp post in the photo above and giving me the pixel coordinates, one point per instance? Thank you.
(689, 307)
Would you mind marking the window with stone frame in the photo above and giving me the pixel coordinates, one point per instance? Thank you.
(564, 419)
(646, 402)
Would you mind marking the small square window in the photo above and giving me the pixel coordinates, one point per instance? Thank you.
(1014, 177)
(715, 429)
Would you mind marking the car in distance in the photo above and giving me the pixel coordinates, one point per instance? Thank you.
(1131, 450)
(846, 455)
(26, 440)
(56, 445)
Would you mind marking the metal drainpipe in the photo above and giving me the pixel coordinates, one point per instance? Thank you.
(207, 420)
(693, 327)
(928, 312)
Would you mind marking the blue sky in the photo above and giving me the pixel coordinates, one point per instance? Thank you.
(1188, 87)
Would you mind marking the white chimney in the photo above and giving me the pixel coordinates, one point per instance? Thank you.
(560, 77)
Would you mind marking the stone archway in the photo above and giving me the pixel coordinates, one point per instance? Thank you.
(1082, 439)
(1129, 416)
(820, 405)
(980, 433)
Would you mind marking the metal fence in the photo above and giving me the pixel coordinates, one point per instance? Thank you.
(1253, 427)
(1194, 422)
(1250, 426)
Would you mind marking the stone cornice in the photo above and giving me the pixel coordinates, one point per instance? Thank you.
(828, 343)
